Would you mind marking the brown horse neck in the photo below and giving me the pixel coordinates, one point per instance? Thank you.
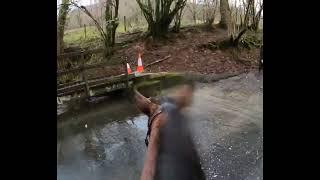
(149, 167)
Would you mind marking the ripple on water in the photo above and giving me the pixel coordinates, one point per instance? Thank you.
(141, 122)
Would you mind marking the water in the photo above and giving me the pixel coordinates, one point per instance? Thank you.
(226, 123)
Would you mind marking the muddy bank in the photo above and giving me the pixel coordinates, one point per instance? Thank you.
(187, 54)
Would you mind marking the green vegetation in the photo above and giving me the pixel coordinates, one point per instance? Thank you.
(77, 36)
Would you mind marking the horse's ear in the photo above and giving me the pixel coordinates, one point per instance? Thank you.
(144, 104)
(183, 96)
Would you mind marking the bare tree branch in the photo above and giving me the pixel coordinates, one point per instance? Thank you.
(160, 15)
(85, 10)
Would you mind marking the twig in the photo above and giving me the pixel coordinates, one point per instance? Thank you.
(157, 61)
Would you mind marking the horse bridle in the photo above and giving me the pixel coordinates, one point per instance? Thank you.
(150, 121)
(156, 113)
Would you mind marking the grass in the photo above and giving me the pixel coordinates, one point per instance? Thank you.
(77, 36)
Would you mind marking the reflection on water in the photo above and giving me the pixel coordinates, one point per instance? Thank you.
(111, 147)
(140, 124)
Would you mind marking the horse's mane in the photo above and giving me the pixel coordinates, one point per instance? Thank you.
(178, 158)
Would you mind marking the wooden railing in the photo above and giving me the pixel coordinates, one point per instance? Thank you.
(79, 53)
(85, 83)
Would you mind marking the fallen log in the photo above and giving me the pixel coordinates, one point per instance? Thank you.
(157, 61)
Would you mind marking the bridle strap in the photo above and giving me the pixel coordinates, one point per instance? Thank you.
(150, 121)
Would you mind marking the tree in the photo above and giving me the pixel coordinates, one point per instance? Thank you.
(177, 21)
(78, 16)
(192, 6)
(63, 11)
(225, 14)
(248, 12)
(251, 18)
(210, 7)
(101, 18)
(107, 35)
(112, 20)
(228, 21)
(159, 14)
(257, 17)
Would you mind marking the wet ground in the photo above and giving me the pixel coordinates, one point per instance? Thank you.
(106, 140)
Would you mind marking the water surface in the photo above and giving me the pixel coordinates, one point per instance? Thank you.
(226, 123)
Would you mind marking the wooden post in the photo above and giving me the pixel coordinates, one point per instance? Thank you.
(125, 23)
(203, 17)
(85, 31)
(84, 77)
(87, 88)
(126, 72)
(128, 91)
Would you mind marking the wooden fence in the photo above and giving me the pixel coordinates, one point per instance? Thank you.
(79, 80)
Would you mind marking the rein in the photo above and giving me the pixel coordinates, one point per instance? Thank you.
(150, 121)
(155, 114)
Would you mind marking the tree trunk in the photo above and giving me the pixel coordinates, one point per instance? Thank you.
(125, 23)
(115, 22)
(257, 19)
(209, 22)
(108, 17)
(225, 12)
(246, 16)
(104, 36)
(249, 18)
(79, 18)
(108, 28)
(194, 11)
(235, 42)
(253, 12)
(63, 11)
(85, 31)
(159, 29)
(203, 16)
(210, 12)
(177, 21)
(160, 15)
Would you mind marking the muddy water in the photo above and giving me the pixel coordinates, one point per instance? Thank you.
(106, 140)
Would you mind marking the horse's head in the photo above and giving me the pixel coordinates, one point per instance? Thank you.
(168, 136)
(180, 99)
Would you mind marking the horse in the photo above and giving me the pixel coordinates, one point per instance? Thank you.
(171, 153)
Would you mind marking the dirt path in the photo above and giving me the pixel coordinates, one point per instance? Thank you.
(186, 55)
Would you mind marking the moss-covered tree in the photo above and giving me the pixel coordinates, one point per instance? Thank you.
(177, 21)
(159, 14)
(228, 22)
(225, 13)
(108, 33)
(210, 7)
(252, 17)
(62, 16)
